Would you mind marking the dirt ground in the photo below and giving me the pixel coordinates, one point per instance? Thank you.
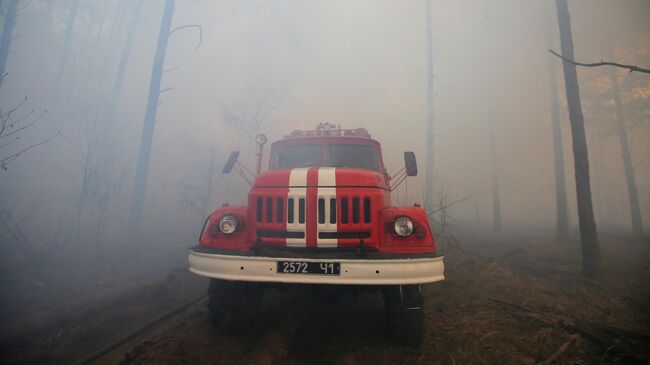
(505, 301)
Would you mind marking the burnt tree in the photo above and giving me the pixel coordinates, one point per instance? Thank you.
(588, 234)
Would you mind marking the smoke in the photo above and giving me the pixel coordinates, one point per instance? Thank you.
(357, 64)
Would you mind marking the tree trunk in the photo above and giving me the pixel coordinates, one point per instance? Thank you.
(142, 169)
(98, 35)
(561, 215)
(124, 61)
(428, 179)
(116, 25)
(588, 234)
(635, 210)
(496, 199)
(69, 31)
(49, 11)
(6, 38)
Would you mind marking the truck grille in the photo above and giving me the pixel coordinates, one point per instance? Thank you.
(265, 211)
(339, 221)
(353, 210)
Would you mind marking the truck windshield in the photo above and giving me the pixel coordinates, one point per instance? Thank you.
(333, 155)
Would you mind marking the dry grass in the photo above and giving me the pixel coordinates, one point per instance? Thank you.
(512, 303)
(514, 300)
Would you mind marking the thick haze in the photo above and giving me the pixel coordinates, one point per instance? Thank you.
(353, 63)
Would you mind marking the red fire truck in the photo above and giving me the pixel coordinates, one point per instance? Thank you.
(319, 217)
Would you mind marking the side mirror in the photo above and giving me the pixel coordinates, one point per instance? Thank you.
(411, 164)
(231, 162)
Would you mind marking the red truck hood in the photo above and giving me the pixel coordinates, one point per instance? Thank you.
(357, 196)
(324, 176)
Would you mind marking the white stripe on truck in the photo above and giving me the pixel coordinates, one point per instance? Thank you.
(327, 178)
(297, 190)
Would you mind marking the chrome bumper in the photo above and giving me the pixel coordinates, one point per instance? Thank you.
(353, 271)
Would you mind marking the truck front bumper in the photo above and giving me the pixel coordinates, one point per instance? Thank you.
(400, 271)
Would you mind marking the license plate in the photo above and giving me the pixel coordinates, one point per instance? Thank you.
(314, 268)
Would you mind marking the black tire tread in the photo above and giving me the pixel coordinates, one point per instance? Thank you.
(233, 305)
(404, 326)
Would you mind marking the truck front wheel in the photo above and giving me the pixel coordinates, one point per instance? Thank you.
(403, 306)
(233, 305)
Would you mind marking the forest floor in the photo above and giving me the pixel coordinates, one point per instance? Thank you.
(505, 301)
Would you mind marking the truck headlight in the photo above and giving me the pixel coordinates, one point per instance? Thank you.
(403, 226)
(228, 224)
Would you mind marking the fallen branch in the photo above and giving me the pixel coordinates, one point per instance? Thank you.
(545, 318)
(618, 343)
(565, 346)
(631, 68)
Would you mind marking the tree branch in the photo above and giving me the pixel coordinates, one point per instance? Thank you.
(198, 27)
(170, 69)
(631, 68)
(7, 160)
(556, 355)
(23, 127)
(10, 142)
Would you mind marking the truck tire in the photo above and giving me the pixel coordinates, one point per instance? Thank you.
(233, 305)
(403, 306)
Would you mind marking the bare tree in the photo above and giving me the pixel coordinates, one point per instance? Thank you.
(12, 130)
(635, 210)
(428, 178)
(561, 214)
(249, 115)
(69, 32)
(146, 141)
(7, 37)
(496, 198)
(587, 224)
(142, 168)
(124, 60)
(198, 197)
(112, 42)
(92, 147)
(13, 228)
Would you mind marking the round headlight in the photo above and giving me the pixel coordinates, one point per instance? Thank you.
(228, 224)
(403, 226)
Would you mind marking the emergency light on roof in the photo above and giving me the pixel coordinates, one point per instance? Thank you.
(327, 130)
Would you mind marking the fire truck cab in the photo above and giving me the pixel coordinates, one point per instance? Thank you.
(321, 215)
